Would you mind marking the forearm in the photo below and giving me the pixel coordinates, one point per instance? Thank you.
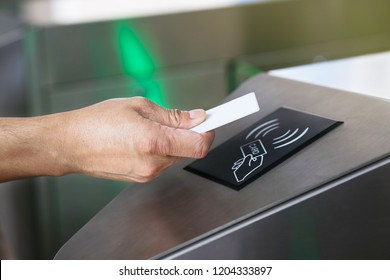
(29, 147)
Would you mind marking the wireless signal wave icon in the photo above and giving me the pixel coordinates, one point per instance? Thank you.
(288, 138)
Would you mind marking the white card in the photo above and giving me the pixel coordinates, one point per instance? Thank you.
(228, 112)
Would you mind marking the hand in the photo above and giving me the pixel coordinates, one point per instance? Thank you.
(245, 166)
(129, 139)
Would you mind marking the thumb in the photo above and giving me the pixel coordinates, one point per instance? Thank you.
(186, 119)
(181, 119)
(175, 118)
(170, 117)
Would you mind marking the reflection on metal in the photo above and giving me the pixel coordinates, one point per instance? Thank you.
(238, 71)
(326, 223)
(303, 237)
(137, 62)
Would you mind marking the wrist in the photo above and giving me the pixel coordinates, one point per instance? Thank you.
(49, 136)
(30, 147)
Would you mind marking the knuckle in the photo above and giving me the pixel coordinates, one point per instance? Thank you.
(147, 144)
(157, 146)
(155, 142)
(201, 152)
(140, 99)
(176, 117)
(137, 100)
(140, 102)
(204, 144)
(149, 171)
(201, 149)
(150, 146)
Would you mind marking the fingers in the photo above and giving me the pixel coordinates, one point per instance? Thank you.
(171, 117)
(179, 119)
(172, 138)
(184, 143)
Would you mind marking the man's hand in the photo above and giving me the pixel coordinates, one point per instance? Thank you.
(121, 139)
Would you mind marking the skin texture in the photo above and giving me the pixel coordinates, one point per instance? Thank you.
(129, 139)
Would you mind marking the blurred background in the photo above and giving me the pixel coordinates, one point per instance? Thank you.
(58, 55)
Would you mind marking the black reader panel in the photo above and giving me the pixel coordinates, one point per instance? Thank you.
(255, 150)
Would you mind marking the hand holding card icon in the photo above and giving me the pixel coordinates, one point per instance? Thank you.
(253, 153)
(245, 166)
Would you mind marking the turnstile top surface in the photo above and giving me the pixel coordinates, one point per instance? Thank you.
(150, 220)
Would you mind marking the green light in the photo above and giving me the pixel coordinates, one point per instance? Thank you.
(137, 62)
(154, 92)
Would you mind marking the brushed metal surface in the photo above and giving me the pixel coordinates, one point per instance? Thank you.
(346, 220)
(150, 220)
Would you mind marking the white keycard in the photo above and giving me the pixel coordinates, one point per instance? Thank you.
(228, 112)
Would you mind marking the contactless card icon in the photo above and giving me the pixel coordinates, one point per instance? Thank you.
(254, 152)
(253, 156)
(254, 148)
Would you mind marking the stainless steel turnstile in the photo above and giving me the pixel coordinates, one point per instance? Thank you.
(329, 200)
